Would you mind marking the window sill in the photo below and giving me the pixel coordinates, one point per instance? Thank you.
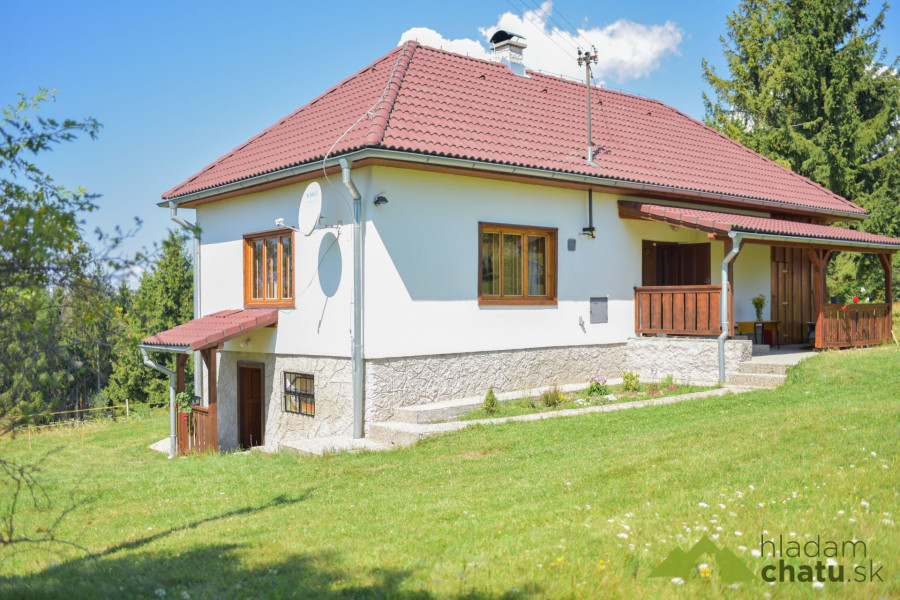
(269, 304)
(517, 302)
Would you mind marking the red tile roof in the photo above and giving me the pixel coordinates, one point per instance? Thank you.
(722, 222)
(428, 101)
(213, 329)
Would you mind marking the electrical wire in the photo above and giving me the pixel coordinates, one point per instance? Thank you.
(575, 29)
(540, 28)
(562, 30)
(355, 123)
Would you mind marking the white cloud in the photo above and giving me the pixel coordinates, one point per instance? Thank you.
(627, 50)
(432, 38)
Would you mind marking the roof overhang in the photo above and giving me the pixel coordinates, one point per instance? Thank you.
(210, 331)
(375, 156)
(760, 229)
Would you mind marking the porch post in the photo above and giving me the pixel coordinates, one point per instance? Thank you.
(819, 260)
(180, 361)
(888, 287)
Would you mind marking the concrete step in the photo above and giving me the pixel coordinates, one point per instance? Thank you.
(329, 445)
(760, 349)
(765, 368)
(755, 380)
(394, 433)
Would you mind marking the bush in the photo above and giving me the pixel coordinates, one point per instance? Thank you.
(491, 405)
(598, 386)
(552, 398)
(631, 382)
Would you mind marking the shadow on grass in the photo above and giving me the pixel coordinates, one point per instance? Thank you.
(280, 500)
(220, 571)
(130, 570)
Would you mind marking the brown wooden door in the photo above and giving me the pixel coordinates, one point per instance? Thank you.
(251, 406)
(693, 264)
(792, 303)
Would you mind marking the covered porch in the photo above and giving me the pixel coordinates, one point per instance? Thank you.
(798, 294)
(197, 430)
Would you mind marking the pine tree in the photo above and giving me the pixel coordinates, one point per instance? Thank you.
(810, 88)
(164, 299)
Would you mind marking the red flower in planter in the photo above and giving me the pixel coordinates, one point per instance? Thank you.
(184, 415)
(844, 307)
(855, 299)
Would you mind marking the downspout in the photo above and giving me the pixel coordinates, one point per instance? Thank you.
(172, 418)
(356, 335)
(723, 300)
(173, 214)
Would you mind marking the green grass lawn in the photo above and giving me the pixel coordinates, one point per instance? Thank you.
(582, 399)
(580, 507)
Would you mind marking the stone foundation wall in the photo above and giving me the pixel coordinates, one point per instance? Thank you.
(689, 360)
(333, 389)
(395, 382)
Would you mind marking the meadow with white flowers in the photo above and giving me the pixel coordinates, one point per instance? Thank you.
(580, 507)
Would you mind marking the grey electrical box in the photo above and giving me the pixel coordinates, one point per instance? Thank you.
(600, 310)
(571, 244)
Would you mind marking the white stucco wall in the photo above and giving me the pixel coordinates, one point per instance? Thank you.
(421, 266)
(323, 265)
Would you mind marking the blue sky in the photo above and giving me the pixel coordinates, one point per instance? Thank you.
(177, 84)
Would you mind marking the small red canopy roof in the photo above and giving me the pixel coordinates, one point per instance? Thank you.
(722, 222)
(213, 329)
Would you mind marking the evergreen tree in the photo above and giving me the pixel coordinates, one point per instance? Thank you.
(811, 88)
(163, 299)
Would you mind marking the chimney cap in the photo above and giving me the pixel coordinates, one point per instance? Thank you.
(504, 36)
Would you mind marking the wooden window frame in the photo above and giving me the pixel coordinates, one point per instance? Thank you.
(551, 233)
(249, 240)
(309, 399)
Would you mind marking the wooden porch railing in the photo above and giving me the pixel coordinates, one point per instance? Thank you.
(680, 310)
(197, 431)
(858, 325)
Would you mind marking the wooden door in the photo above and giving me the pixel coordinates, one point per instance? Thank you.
(693, 264)
(792, 293)
(250, 386)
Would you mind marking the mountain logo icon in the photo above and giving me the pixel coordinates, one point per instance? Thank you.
(680, 563)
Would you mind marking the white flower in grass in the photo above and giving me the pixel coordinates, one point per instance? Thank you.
(677, 580)
(818, 585)
(624, 536)
(742, 548)
(762, 504)
(831, 563)
(719, 528)
(703, 505)
(627, 528)
(755, 552)
(734, 586)
(853, 520)
(840, 512)
(738, 533)
(864, 503)
(722, 506)
(629, 515)
(160, 593)
(715, 536)
(751, 487)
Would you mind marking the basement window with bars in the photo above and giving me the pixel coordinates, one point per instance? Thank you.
(299, 394)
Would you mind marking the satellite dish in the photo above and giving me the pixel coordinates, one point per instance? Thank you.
(310, 209)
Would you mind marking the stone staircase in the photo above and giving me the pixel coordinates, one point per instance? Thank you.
(758, 374)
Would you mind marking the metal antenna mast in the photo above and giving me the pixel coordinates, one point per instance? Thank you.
(586, 58)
